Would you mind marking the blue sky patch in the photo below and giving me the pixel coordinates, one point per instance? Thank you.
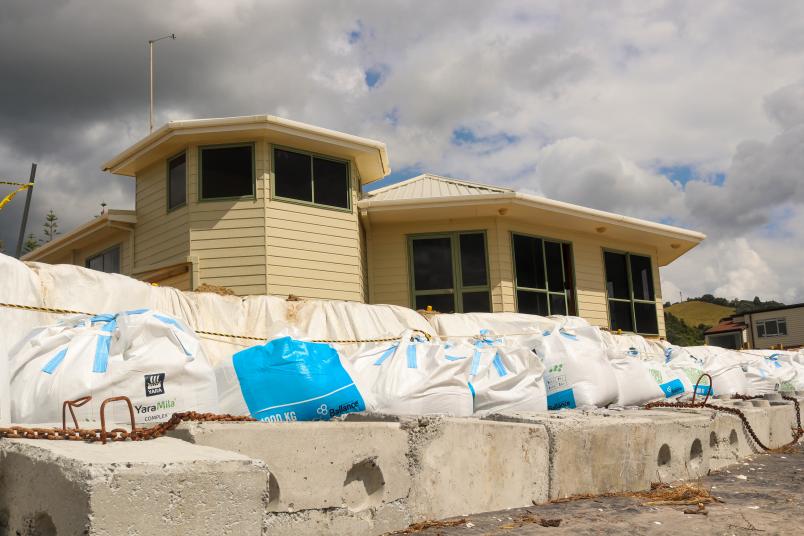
(682, 174)
(356, 34)
(464, 136)
(374, 76)
(395, 176)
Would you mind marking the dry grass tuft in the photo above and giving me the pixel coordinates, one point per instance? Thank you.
(221, 291)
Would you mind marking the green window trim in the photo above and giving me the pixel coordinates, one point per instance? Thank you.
(349, 180)
(631, 300)
(167, 181)
(252, 195)
(458, 289)
(569, 305)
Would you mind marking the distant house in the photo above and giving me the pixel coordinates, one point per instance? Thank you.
(264, 205)
(779, 327)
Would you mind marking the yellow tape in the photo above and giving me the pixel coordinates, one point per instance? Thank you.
(16, 183)
(10, 196)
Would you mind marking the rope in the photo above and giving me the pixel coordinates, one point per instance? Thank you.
(9, 197)
(54, 310)
(17, 183)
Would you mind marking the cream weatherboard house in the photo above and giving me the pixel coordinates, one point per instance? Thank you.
(264, 205)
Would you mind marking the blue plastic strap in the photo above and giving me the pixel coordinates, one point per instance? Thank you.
(498, 364)
(55, 361)
(169, 321)
(101, 362)
(472, 389)
(475, 362)
(566, 335)
(136, 312)
(385, 355)
(102, 318)
(454, 357)
(668, 354)
(412, 356)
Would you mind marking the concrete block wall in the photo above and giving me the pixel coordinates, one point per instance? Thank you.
(364, 474)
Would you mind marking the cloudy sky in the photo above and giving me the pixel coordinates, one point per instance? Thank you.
(689, 113)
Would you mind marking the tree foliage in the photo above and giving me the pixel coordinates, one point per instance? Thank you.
(740, 306)
(679, 333)
(51, 226)
(30, 244)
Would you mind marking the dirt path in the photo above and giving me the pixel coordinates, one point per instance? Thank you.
(761, 496)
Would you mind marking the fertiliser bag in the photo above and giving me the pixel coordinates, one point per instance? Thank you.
(768, 371)
(641, 379)
(151, 358)
(577, 371)
(413, 377)
(724, 366)
(687, 366)
(504, 375)
(288, 379)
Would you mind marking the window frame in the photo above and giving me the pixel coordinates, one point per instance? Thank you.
(545, 290)
(253, 195)
(118, 247)
(457, 289)
(186, 181)
(349, 182)
(764, 325)
(632, 301)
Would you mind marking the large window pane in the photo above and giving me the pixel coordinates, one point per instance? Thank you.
(641, 278)
(761, 330)
(443, 303)
(529, 261)
(620, 314)
(177, 181)
(432, 263)
(476, 302)
(532, 303)
(555, 271)
(331, 183)
(616, 275)
(782, 327)
(292, 175)
(558, 305)
(771, 329)
(227, 172)
(473, 260)
(646, 317)
(108, 261)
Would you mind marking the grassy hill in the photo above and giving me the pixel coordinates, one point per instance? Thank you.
(694, 312)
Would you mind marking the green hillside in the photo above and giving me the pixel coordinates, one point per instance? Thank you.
(694, 312)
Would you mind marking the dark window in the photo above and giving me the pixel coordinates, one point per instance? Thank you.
(227, 171)
(177, 181)
(782, 326)
(311, 179)
(631, 297)
(108, 261)
(761, 330)
(771, 328)
(432, 263)
(617, 275)
(449, 272)
(543, 275)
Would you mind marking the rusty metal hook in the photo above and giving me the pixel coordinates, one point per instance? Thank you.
(103, 431)
(77, 403)
(708, 392)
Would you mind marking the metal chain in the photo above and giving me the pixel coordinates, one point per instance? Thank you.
(797, 434)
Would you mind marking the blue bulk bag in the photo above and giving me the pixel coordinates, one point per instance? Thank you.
(291, 380)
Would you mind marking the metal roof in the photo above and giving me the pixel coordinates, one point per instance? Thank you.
(429, 186)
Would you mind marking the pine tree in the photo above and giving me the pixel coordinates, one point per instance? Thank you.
(31, 243)
(51, 226)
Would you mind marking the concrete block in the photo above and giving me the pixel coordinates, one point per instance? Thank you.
(460, 466)
(682, 443)
(326, 477)
(162, 486)
(594, 452)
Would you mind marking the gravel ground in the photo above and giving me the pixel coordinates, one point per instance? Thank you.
(763, 495)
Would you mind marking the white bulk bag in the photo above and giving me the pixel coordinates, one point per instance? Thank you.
(687, 366)
(640, 379)
(18, 285)
(412, 377)
(512, 326)
(577, 371)
(727, 374)
(504, 375)
(151, 358)
(766, 372)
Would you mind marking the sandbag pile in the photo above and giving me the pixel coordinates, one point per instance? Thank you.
(326, 358)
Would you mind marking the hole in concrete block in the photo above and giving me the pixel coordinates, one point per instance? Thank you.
(733, 437)
(4, 522)
(364, 485)
(696, 452)
(713, 440)
(42, 525)
(273, 491)
(664, 455)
